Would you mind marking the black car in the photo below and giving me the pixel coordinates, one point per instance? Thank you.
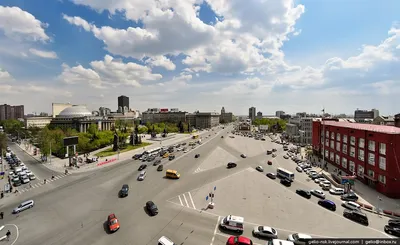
(392, 230)
(231, 165)
(171, 157)
(160, 167)
(151, 208)
(197, 156)
(328, 204)
(124, 191)
(271, 175)
(394, 223)
(141, 167)
(286, 182)
(349, 197)
(136, 156)
(356, 216)
(304, 193)
(156, 162)
(183, 143)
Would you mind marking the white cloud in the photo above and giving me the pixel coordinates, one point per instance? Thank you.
(4, 76)
(43, 54)
(161, 61)
(108, 72)
(17, 23)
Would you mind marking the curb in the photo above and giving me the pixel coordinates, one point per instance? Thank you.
(372, 209)
(29, 154)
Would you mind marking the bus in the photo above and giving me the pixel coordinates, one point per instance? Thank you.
(283, 173)
(152, 151)
(195, 136)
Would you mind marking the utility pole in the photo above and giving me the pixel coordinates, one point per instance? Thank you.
(50, 152)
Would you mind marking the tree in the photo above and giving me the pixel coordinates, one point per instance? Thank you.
(143, 130)
(3, 142)
(12, 126)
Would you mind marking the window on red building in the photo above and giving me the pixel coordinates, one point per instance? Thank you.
(327, 134)
(382, 163)
(344, 148)
(360, 171)
(332, 156)
(352, 140)
(326, 153)
(371, 173)
(327, 142)
(352, 166)
(361, 155)
(338, 146)
(344, 162)
(345, 138)
(361, 143)
(371, 159)
(382, 179)
(371, 145)
(352, 151)
(382, 148)
(337, 159)
(332, 144)
(338, 137)
(332, 136)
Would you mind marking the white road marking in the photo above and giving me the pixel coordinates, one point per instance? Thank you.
(184, 197)
(16, 238)
(215, 231)
(180, 200)
(191, 199)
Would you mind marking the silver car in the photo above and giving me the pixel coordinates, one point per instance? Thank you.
(23, 206)
(265, 231)
(142, 175)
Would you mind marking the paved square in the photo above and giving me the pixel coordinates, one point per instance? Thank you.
(217, 158)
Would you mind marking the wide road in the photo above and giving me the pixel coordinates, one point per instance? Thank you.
(75, 213)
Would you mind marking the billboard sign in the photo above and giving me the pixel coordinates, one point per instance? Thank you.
(263, 127)
(174, 110)
(70, 141)
(164, 110)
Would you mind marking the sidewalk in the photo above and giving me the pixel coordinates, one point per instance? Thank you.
(59, 165)
(369, 198)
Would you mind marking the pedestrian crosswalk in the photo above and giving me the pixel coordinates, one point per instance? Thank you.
(185, 200)
(198, 170)
(39, 184)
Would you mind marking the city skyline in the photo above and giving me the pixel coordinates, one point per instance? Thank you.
(90, 52)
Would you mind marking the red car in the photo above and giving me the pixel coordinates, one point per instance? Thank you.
(113, 223)
(269, 163)
(239, 240)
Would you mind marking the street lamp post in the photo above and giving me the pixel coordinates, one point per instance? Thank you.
(50, 152)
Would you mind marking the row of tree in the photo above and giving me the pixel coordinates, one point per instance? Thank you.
(273, 123)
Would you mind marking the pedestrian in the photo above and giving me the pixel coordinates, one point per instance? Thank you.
(8, 234)
(1, 215)
(30, 185)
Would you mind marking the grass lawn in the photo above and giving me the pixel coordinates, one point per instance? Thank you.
(110, 152)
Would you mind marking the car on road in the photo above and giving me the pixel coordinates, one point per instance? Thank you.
(356, 216)
(318, 193)
(286, 182)
(186, 151)
(151, 208)
(231, 165)
(299, 169)
(328, 204)
(304, 193)
(239, 240)
(25, 179)
(286, 156)
(336, 191)
(165, 241)
(197, 156)
(324, 182)
(156, 162)
(141, 167)
(269, 162)
(260, 169)
(113, 223)
(269, 152)
(392, 230)
(160, 168)
(299, 238)
(28, 172)
(265, 232)
(349, 197)
(273, 155)
(351, 205)
(124, 190)
(271, 175)
(317, 180)
(315, 176)
(243, 155)
(171, 157)
(274, 150)
(142, 175)
(23, 206)
(32, 176)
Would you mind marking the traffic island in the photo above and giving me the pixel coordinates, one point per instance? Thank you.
(110, 152)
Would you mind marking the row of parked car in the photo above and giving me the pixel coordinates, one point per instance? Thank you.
(19, 173)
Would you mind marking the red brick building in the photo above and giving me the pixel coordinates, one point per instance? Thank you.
(371, 152)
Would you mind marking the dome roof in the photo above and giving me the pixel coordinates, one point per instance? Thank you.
(75, 111)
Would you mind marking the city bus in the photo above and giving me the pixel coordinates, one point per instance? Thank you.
(195, 136)
(152, 151)
(283, 173)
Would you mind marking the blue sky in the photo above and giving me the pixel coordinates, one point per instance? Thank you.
(274, 55)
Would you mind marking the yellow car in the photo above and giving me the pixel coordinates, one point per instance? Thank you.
(165, 155)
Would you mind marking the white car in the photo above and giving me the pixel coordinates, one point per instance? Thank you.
(265, 231)
(24, 168)
(185, 151)
(351, 205)
(28, 172)
(31, 176)
(273, 155)
(318, 193)
(299, 169)
(25, 179)
(142, 175)
(317, 180)
(311, 172)
(299, 238)
(324, 182)
(336, 191)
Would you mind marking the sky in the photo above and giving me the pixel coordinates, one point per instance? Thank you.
(290, 55)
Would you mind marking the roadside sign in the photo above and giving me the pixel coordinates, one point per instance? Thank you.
(206, 198)
(215, 188)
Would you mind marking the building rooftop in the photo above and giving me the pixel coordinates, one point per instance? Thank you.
(75, 111)
(367, 127)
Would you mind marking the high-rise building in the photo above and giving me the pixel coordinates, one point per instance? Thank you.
(226, 117)
(11, 112)
(259, 115)
(252, 113)
(365, 116)
(123, 104)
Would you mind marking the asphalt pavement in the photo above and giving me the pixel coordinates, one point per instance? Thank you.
(76, 212)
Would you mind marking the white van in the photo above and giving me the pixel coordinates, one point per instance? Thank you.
(165, 241)
(279, 242)
(233, 223)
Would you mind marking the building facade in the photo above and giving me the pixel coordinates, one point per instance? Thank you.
(383, 120)
(8, 112)
(292, 132)
(226, 117)
(252, 113)
(245, 127)
(370, 152)
(303, 133)
(207, 119)
(37, 122)
(259, 115)
(59, 107)
(279, 114)
(123, 104)
(365, 116)
(156, 115)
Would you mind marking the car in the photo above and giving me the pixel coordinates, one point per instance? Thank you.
(392, 230)
(286, 156)
(271, 175)
(336, 191)
(28, 172)
(15, 179)
(17, 183)
(23, 206)
(171, 157)
(243, 156)
(142, 175)
(265, 232)
(231, 165)
(269, 162)
(324, 182)
(197, 156)
(356, 215)
(274, 150)
(160, 168)
(299, 238)
(299, 169)
(394, 223)
(349, 197)
(113, 223)
(273, 155)
(151, 208)
(318, 193)
(25, 179)
(304, 193)
(317, 180)
(124, 190)
(286, 182)
(260, 169)
(315, 176)
(165, 241)
(351, 205)
(328, 204)
(156, 162)
(269, 152)
(32, 176)
(141, 167)
(136, 156)
(186, 151)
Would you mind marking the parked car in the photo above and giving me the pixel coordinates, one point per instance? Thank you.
(349, 197)
(160, 168)
(197, 156)
(299, 169)
(271, 175)
(299, 238)
(392, 230)
(303, 193)
(328, 204)
(265, 232)
(113, 223)
(318, 193)
(351, 205)
(260, 169)
(269, 162)
(231, 165)
(151, 208)
(286, 182)
(356, 216)
(239, 240)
